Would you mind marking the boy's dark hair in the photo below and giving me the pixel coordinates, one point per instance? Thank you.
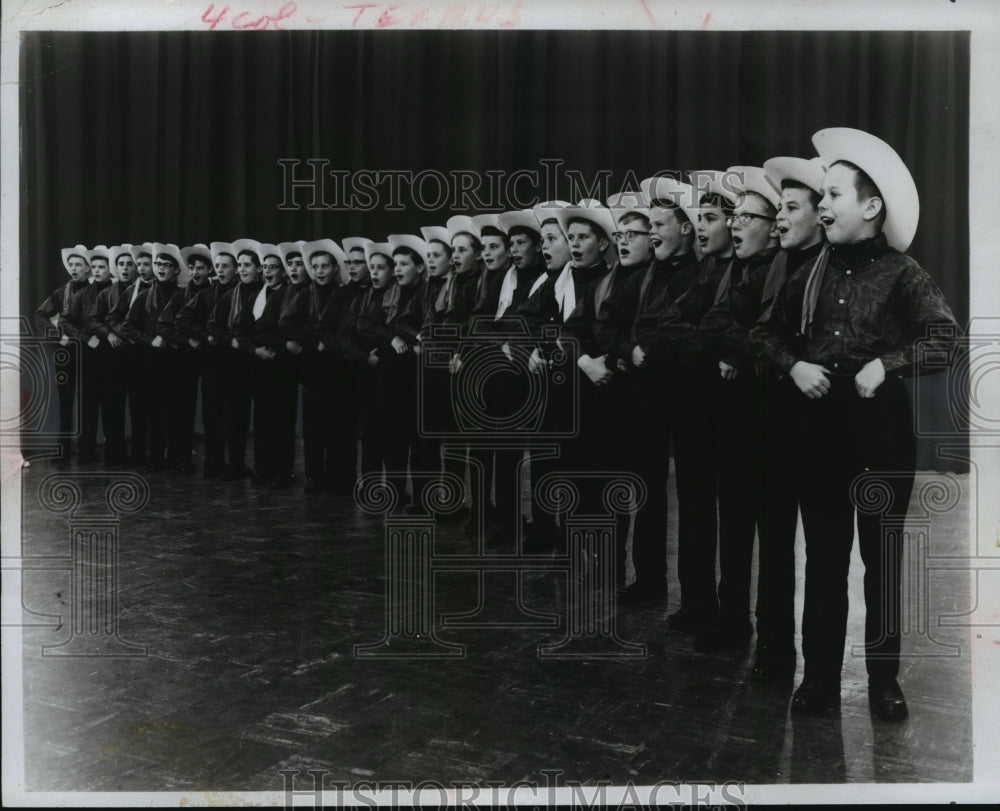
(814, 196)
(865, 188)
(524, 230)
(228, 256)
(199, 257)
(79, 256)
(716, 200)
(594, 227)
(493, 231)
(162, 256)
(406, 250)
(293, 254)
(314, 254)
(548, 221)
(252, 254)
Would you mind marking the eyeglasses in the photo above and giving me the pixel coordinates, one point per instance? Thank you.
(164, 264)
(627, 236)
(745, 219)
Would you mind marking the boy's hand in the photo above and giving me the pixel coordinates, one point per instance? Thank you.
(94, 342)
(871, 376)
(114, 340)
(728, 372)
(399, 345)
(638, 356)
(595, 369)
(810, 378)
(294, 347)
(157, 342)
(194, 343)
(535, 362)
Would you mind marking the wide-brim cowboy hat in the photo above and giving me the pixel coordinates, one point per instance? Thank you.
(807, 171)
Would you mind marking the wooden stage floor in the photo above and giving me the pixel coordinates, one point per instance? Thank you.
(251, 601)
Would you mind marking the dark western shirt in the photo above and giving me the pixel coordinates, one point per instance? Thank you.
(874, 302)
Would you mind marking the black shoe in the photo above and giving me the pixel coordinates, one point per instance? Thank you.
(724, 638)
(312, 486)
(813, 699)
(637, 594)
(886, 699)
(689, 620)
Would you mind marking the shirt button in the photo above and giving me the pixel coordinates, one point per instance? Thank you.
(836, 332)
(841, 301)
(848, 273)
(835, 365)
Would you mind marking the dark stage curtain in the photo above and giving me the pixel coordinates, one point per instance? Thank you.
(176, 137)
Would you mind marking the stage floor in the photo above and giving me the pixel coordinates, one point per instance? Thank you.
(250, 602)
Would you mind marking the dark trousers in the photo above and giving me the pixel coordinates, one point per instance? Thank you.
(213, 400)
(66, 365)
(695, 462)
(93, 395)
(738, 478)
(286, 402)
(113, 405)
(852, 450)
(344, 407)
(162, 368)
(370, 417)
(237, 397)
(189, 364)
(648, 414)
(138, 381)
(318, 417)
(398, 393)
(265, 412)
(778, 514)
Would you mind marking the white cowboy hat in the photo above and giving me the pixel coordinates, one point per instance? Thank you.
(408, 241)
(593, 211)
(461, 222)
(519, 219)
(482, 221)
(807, 171)
(680, 194)
(752, 179)
(547, 211)
(436, 233)
(200, 249)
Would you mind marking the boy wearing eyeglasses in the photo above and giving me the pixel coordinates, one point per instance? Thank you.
(597, 331)
(726, 328)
